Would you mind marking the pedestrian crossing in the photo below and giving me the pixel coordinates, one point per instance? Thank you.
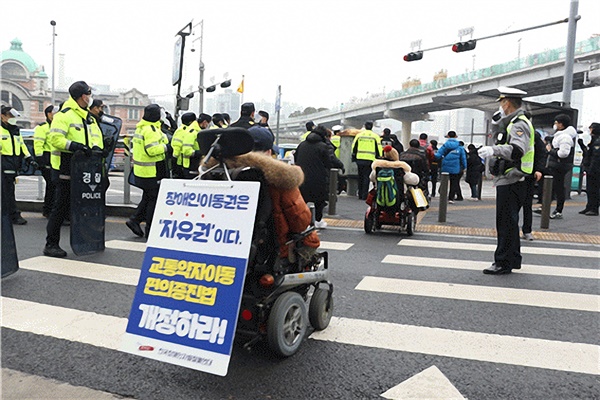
(104, 331)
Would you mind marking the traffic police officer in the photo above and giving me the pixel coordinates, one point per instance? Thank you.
(512, 162)
(190, 149)
(309, 127)
(366, 147)
(150, 151)
(13, 153)
(72, 129)
(42, 150)
(177, 142)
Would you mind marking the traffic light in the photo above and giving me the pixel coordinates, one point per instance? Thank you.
(226, 84)
(413, 56)
(464, 46)
(211, 89)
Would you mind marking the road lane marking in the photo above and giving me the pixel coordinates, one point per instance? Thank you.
(141, 246)
(585, 273)
(545, 251)
(82, 269)
(105, 331)
(488, 294)
(523, 351)
(63, 323)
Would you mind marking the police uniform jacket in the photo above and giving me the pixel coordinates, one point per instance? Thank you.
(41, 145)
(71, 124)
(13, 149)
(518, 143)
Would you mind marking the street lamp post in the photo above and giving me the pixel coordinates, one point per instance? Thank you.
(201, 70)
(570, 55)
(53, 23)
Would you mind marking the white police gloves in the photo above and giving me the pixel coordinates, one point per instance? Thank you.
(485, 152)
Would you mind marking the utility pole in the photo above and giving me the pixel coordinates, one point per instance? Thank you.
(278, 110)
(53, 23)
(570, 56)
(201, 68)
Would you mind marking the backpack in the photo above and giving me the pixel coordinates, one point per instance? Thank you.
(387, 188)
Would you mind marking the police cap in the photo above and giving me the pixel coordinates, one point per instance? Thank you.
(508, 92)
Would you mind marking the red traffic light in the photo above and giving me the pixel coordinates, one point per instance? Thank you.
(464, 46)
(413, 56)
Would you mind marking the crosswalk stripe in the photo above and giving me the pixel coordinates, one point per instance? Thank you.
(105, 331)
(141, 246)
(535, 298)
(79, 269)
(63, 323)
(585, 273)
(529, 352)
(548, 251)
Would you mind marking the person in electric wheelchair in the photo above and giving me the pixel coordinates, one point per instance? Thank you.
(283, 264)
(389, 203)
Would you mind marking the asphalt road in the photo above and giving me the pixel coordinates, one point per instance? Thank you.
(420, 314)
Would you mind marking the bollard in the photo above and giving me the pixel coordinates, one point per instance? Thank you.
(546, 202)
(126, 172)
(311, 207)
(443, 197)
(40, 195)
(333, 182)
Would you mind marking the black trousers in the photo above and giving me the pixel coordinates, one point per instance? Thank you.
(9, 203)
(455, 193)
(528, 203)
(364, 170)
(319, 207)
(558, 185)
(593, 191)
(145, 209)
(509, 200)
(50, 191)
(61, 210)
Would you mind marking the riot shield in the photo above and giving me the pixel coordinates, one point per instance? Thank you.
(10, 262)
(87, 204)
(110, 127)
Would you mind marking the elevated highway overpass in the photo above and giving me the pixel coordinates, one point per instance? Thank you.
(537, 74)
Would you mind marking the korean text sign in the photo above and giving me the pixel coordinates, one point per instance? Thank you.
(187, 300)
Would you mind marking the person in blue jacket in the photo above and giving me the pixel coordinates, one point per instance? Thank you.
(454, 163)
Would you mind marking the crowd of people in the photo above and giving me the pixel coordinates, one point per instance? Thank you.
(161, 149)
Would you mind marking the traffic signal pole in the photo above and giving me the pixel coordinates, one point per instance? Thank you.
(570, 56)
(573, 18)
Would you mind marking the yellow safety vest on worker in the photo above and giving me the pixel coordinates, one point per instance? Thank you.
(177, 142)
(367, 145)
(149, 148)
(12, 146)
(335, 140)
(71, 124)
(40, 139)
(190, 143)
(528, 157)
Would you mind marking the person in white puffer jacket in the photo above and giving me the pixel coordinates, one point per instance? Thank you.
(560, 159)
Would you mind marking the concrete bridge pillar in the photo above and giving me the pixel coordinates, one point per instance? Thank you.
(407, 119)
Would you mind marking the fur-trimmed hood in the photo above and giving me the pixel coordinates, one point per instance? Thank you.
(390, 164)
(277, 173)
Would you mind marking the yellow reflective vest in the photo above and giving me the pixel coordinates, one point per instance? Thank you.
(40, 139)
(177, 142)
(13, 149)
(190, 143)
(335, 140)
(149, 148)
(528, 157)
(71, 124)
(366, 145)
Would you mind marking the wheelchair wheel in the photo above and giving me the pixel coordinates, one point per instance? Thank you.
(287, 324)
(370, 221)
(319, 309)
(411, 223)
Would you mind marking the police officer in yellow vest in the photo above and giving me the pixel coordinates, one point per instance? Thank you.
(72, 129)
(13, 153)
(309, 127)
(190, 149)
(512, 162)
(366, 147)
(177, 142)
(42, 150)
(150, 151)
(336, 139)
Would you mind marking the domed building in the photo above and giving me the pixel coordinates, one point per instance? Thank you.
(24, 84)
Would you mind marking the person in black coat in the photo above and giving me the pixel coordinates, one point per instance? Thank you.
(475, 168)
(314, 156)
